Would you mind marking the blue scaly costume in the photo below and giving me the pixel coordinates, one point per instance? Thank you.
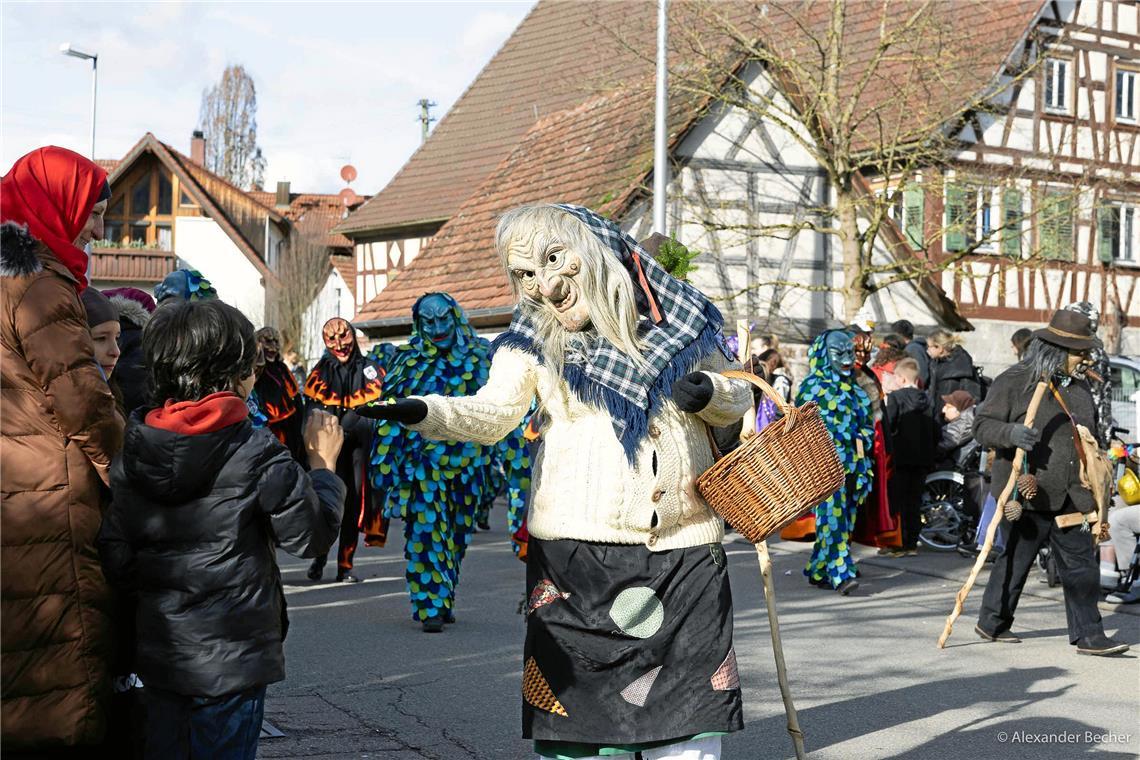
(846, 413)
(436, 487)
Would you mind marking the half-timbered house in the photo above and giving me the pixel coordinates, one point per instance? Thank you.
(568, 130)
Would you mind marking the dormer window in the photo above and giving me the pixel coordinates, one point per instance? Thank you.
(1056, 85)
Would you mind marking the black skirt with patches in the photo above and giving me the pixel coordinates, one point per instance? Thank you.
(625, 645)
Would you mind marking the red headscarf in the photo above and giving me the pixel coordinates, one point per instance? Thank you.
(52, 191)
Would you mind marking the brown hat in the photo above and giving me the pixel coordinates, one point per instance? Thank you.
(1069, 329)
(960, 400)
(99, 307)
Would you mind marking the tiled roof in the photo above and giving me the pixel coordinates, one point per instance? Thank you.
(130, 264)
(560, 55)
(593, 155)
(598, 150)
(324, 210)
(565, 52)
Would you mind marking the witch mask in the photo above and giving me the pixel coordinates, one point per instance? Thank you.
(548, 272)
(340, 339)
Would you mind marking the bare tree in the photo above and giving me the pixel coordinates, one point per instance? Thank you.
(301, 273)
(228, 118)
(877, 94)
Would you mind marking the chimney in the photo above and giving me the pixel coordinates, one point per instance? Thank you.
(198, 147)
(282, 195)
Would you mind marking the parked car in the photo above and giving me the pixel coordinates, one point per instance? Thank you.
(1125, 385)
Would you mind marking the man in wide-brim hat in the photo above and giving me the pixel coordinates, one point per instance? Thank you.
(1055, 355)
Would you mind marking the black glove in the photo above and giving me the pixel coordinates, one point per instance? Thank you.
(407, 411)
(693, 392)
(1024, 437)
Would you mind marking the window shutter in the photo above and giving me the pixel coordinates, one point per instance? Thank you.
(913, 217)
(955, 218)
(1011, 223)
(1108, 231)
(1056, 227)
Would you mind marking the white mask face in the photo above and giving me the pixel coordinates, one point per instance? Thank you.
(549, 277)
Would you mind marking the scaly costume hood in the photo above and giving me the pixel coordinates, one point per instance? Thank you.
(845, 408)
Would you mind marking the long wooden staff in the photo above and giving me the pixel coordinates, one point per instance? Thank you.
(778, 649)
(991, 530)
(744, 349)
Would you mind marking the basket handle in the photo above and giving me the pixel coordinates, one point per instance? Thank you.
(788, 411)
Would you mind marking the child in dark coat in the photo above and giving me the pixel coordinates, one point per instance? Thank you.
(200, 502)
(913, 441)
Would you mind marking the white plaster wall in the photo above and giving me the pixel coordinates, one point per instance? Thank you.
(201, 244)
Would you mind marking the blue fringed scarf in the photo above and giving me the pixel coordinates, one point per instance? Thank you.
(689, 330)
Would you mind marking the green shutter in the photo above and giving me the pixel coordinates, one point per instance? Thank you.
(956, 218)
(1011, 223)
(913, 217)
(1108, 232)
(1056, 225)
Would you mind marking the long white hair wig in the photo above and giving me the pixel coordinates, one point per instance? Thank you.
(603, 282)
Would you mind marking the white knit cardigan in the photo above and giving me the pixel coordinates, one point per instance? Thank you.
(583, 486)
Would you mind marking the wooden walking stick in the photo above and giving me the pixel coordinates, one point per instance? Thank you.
(744, 350)
(778, 649)
(991, 530)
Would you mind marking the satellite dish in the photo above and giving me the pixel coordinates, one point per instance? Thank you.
(348, 172)
(348, 196)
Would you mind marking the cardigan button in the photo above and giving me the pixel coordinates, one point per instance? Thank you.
(654, 431)
(657, 495)
(652, 539)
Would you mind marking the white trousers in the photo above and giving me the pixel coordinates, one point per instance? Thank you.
(695, 749)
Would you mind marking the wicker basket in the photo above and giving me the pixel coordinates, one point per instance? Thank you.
(778, 474)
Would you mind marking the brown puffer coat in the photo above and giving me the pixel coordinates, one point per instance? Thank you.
(58, 432)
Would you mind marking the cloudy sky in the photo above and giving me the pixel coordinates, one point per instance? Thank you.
(336, 83)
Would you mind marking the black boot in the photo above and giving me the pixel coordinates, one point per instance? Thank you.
(1100, 645)
(316, 569)
(433, 625)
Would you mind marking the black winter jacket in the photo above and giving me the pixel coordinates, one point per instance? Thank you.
(953, 373)
(912, 431)
(1054, 459)
(130, 372)
(191, 534)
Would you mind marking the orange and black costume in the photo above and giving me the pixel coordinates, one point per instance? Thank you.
(343, 380)
(281, 403)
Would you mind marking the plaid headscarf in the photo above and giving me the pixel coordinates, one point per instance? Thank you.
(687, 332)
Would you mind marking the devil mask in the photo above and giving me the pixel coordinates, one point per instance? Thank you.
(270, 342)
(340, 339)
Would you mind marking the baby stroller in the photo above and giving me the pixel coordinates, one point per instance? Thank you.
(951, 502)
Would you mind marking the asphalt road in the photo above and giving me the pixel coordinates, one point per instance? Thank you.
(866, 674)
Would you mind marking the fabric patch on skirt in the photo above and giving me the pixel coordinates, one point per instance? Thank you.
(537, 691)
(638, 691)
(726, 677)
(638, 612)
(544, 593)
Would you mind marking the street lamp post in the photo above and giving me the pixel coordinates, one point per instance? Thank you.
(67, 49)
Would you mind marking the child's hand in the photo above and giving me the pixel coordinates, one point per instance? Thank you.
(323, 439)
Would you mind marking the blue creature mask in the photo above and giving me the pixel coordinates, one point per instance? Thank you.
(841, 352)
(437, 321)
